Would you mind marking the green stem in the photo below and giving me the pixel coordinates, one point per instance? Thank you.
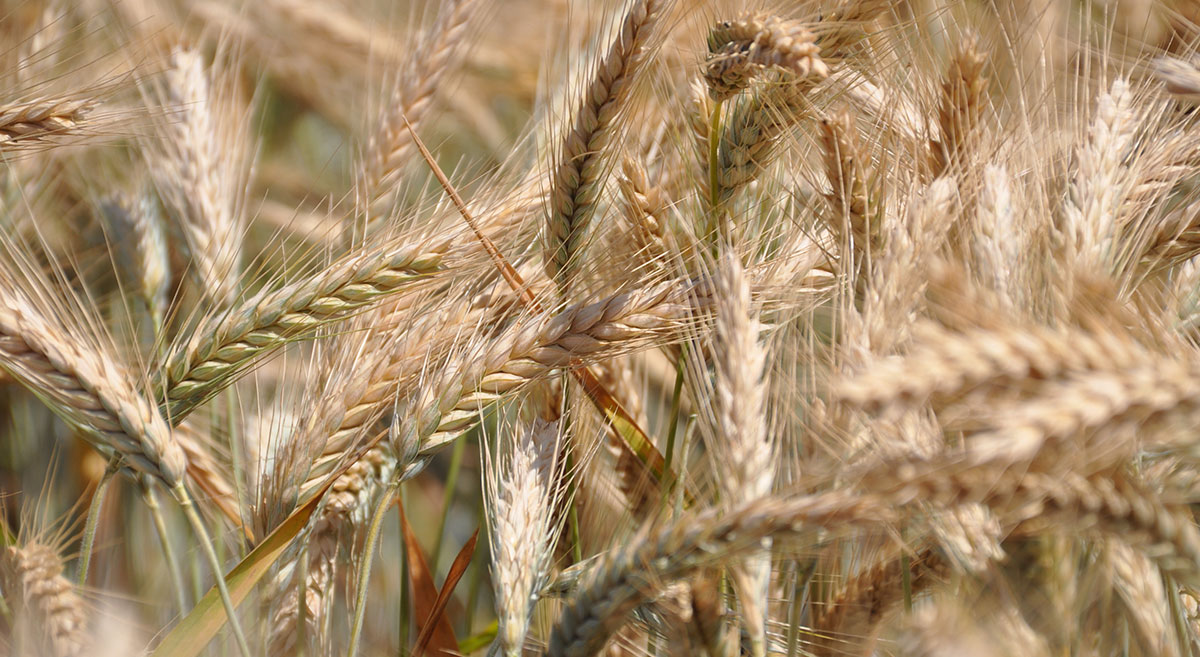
(164, 537)
(364, 568)
(456, 457)
(206, 545)
(714, 190)
(714, 149)
(93, 518)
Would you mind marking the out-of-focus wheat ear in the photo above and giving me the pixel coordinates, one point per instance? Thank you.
(227, 343)
(1116, 411)
(1101, 178)
(744, 456)
(32, 122)
(853, 219)
(584, 155)
(87, 389)
(999, 239)
(848, 622)
(943, 365)
(1140, 587)
(522, 498)
(390, 149)
(1181, 77)
(631, 574)
(197, 171)
(141, 249)
(49, 618)
(899, 275)
(738, 48)
(842, 26)
(960, 109)
(952, 625)
(1107, 503)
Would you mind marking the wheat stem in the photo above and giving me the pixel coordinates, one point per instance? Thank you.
(367, 558)
(168, 548)
(93, 518)
(206, 546)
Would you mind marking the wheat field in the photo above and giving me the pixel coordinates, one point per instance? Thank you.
(823, 328)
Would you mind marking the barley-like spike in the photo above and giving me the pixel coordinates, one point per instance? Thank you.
(737, 48)
(578, 174)
(46, 604)
(228, 343)
(29, 122)
(88, 390)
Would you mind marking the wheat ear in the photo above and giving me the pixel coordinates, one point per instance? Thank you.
(856, 609)
(228, 343)
(391, 148)
(961, 108)
(522, 496)
(633, 573)
(341, 519)
(737, 48)
(195, 177)
(1101, 179)
(88, 390)
(742, 447)
(29, 122)
(1181, 77)
(144, 253)
(582, 159)
(447, 407)
(46, 604)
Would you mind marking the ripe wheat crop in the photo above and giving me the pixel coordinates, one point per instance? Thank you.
(821, 328)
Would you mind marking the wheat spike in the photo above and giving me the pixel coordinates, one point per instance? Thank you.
(51, 617)
(29, 122)
(581, 161)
